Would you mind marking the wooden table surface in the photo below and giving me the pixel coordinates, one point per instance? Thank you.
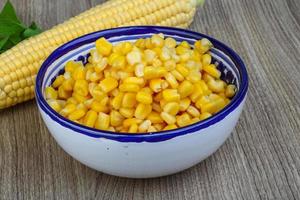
(261, 159)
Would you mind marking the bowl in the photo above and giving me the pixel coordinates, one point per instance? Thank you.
(142, 155)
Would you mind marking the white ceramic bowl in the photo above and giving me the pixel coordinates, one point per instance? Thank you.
(143, 155)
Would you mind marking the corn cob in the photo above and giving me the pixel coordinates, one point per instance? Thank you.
(19, 65)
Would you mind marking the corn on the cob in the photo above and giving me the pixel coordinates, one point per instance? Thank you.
(19, 65)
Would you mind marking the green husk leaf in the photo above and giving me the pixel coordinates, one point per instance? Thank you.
(3, 41)
(32, 31)
(9, 12)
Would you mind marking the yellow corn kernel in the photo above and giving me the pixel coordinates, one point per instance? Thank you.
(194, 120)
(151, 129)
(81, 87)
(193, 111)
(134, 80)
(139, 70)
(126, 48)
(170, 65)
(67, 75)
(127, 112)
(140, 43)
(72, 65)
(212, 70)
(183, 120)
(72, 100)
(90, 118)
(142, 111)
(170, 42)
(156, 107)
(177, 75)
(154, 72)
(206, 77)
(148, 43)
(213, 106)
(157, 63)
(79, 73)
(95, 77)
(129, 87)
(147, 90)
(185, 89)
(63, 94)
(155, 117)
(144, 126)
(171, 95)
(144, 97)
(134, 57)
(157, 41)
(129, 100)
(170, 127)
(159, 127)
(205, 115)
(165, 54)
(204, 87)
(112, 129)
(197, 93)
(101, 65)
(182, 70)
(54, 105)
(68, 109)
(185, 57)
(202, 101)
(79, 98)
(184, 104)
(50, 93)
(67, 85)
(117, 101)
(77, 114)
(98, 106)
(196, 56)
(216, 85)
(97, 93)
(162, 103)
(116, 119)
(230, 91)
(103, 121)
(115, 92)
(185, 44)
(108, 84)
(171, 108)
(180, 50)
(150, 55)
(133, 128)
(119, 62)
(206, 59)
(156, 85)
(194, 76)
(168, 118)
(130, 121)
(203, 45)
(171, 80)
(124, 74)
(58, 81)
(88, 103)
(103, 46)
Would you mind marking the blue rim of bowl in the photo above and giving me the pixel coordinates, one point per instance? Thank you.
(144, 137)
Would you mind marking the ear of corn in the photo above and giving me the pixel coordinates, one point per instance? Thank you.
(19, 65)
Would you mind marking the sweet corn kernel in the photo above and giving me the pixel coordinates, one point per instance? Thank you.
(156, 85)
(206, 77)
(170, 65)
(77, 114)
(171, 80)
(133, 128)
(216, 85)
(90, 118)
(157, 41)
(99, 67)
(184, 104)
(129, 87)
(129, 100)
(156, 107)
(54, 105)
(177, 75)
(67, 85)
(183, 120)
(155, 117)
(185, 89)
(97, 93)
(230, 91)
(72, 65)
(134, 57)
(142, 111)
(128, 122)
(81, 87)
(171, 108)
(144, 126)
(99, 107)
(134, 80)
(182, 70)
(212, 70)
(68, 109)
(50, 93)
(117, 101)
(170, 42)
(79, 73)
(119, 62)
(108, 84)
(213, 106)
(139, 70)
(58, 81)
(63, 94)
(205, 115)
(193, 111)
(116, 119)
(127, 112)
(144, 97)
(151, 129)
(194, 120)
(103, 121)
(170, 127)
(154, 72)
(103, 46)
(171, 95)
(168, 118)
(206, 59)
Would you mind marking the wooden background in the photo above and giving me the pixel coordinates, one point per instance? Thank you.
(261, 160)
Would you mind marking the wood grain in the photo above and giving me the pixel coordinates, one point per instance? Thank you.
(261, 160)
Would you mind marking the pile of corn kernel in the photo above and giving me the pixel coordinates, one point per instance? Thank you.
(149, 85)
